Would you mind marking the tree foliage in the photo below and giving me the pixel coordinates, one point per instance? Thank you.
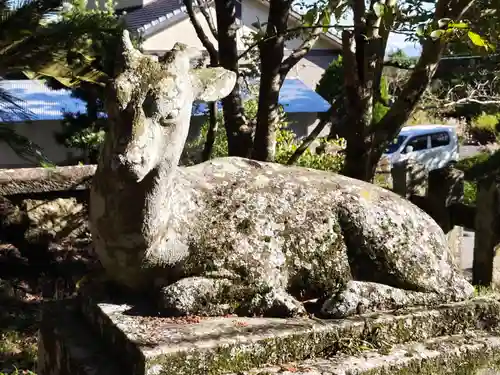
(96, 51)
(331, 88)
(68, 46)
(286, 145)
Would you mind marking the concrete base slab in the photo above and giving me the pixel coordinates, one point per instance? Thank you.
(66, 346)
(140, 344)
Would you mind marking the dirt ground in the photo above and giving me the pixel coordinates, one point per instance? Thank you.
(28, 279)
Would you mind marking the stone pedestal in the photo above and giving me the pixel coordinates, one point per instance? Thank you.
(101, 336)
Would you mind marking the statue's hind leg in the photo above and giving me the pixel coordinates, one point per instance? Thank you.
(359, 297)
(392, 243)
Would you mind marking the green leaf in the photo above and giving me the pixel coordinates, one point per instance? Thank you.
(339, 11)
(476, 39)
(379, 9)
(309, 17)
(436, 34)
(420, 30)
(459, 25)
(326, 21)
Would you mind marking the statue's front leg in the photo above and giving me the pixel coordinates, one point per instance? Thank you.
(205, 296)
(195, 296)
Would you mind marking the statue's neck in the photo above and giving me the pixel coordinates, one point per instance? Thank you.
(159, 199)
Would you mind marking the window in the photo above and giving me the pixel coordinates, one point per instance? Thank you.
(395, 145)
(440, 139)
(419, 143)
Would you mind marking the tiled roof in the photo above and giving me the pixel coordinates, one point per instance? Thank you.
(160, 11)
(153, 13)
(38, 101)
(294, 96)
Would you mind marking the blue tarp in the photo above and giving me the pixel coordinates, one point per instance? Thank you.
(39, 101)
(294, 96)
(42, 103)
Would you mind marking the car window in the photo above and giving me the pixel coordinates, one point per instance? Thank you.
(418, 142)
(440, 139)
(396, 144)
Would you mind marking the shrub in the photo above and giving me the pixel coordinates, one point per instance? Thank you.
(286, 144)
(470, 192)
(467, 163)
(473, 165)
(484, 128)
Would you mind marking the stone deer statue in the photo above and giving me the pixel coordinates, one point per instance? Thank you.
(233, 235)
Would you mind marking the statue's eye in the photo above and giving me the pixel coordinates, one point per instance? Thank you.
(150, 106)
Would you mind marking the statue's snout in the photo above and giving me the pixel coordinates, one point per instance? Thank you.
(133, 161)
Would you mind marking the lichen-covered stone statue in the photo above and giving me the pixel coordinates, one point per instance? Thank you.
(238, 236)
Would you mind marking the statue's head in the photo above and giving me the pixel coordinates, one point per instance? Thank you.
(150, 103)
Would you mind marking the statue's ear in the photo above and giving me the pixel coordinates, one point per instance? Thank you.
(212, 84)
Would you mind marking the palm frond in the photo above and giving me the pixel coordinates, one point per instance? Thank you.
(18, 19)
(45, 49)
(11, 108)
(22, 146)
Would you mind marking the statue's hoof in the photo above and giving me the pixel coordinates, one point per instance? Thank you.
(275, 303)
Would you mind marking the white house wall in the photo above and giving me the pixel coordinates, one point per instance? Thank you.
(255, 10)
(182, 31)
(41, 133)
(309, 69)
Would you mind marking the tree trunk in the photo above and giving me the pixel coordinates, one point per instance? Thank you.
(239, 134)
(271, 57)
(212, 131)
(358, 82)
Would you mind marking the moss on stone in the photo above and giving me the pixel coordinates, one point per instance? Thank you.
(350, 336)
(467, 363)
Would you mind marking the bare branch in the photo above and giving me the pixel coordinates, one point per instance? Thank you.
(203, 6)
(308, 42)
(287, 32)
(385, 28)
(212, 51)
(485, 92)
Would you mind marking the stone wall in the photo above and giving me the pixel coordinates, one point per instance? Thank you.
(44, 206)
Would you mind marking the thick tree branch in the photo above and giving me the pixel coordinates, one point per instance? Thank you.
(421, 75)
(308, 42)
(212, 51)
(325, 120)
(385, 25)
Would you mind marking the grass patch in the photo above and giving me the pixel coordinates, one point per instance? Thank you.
(25, 285)
(18, 353)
